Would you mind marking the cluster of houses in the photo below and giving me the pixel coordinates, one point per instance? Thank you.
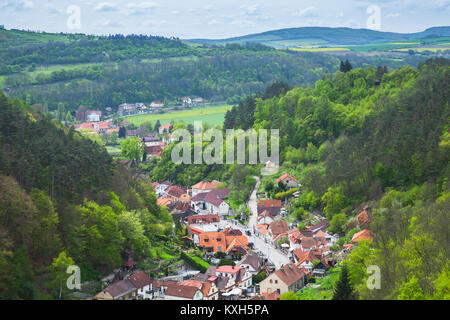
(223, 282)
(203, 209)
(154, 107)
(203, 198)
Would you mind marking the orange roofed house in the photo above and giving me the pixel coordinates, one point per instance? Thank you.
(178, 194)
(362, 235)
(288, 181)
(273, 207)
(204, 187)
(221, 242)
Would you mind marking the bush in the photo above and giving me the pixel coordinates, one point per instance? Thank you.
(259, 277)
(195, 262)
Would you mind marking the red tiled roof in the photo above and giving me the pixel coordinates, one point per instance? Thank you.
(175, 191)
(278, 227)
(262, 228)
(269, 203)
(284, 176)
(362, 235)
(289, 274)
(176, 290)
(213, 240)
(236, 241)
(140, 279)
(363, 218)
(205, 185)
(192, 283)
(228, 269)
(163, 201)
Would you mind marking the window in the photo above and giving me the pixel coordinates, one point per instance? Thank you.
(276, 281)
(271, 281)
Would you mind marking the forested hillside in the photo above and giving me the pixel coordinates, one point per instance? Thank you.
(64, 201)
(62, 71)
(365, 137)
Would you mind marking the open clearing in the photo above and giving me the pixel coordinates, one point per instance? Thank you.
(210, 115)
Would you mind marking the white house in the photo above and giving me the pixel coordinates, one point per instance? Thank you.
(251, 262)
(288, 181)
(142, 282)
(215, 202)
(241, 276)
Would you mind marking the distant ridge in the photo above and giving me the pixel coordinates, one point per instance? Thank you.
(326, 36)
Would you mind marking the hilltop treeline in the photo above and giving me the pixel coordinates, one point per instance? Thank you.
(62, 202)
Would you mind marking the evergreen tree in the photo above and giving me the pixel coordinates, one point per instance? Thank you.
(122, 132)
(157, 125)
(343, 289)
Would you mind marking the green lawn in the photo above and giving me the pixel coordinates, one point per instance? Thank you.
(324, 292)
(210, 115)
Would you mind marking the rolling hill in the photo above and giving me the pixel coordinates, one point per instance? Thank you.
(293, 37)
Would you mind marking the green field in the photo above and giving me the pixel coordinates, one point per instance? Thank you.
(210, 115)
(316, 49)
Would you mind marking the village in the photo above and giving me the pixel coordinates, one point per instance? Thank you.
(266, 247)
(268, 255)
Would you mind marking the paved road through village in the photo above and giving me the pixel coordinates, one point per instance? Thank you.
(277, 257)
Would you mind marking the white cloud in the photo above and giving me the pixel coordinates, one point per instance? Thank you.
(393, 15)
(20, 5)
(310, 12)
(106, 6)
(250, 9)
(142, 7)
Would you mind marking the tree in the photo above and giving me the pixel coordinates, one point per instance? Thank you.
(133, 232)
(334, 200)
(122, 132)
(157, 126)
(59, 275)
(133, 149)
(346, 66)
(343, 289)
(46, 242)
(338, 223)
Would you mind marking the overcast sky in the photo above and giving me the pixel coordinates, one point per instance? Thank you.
(217, 18)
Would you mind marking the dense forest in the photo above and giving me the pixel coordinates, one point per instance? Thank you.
(365, 137)
(63, 201)
(67, 71)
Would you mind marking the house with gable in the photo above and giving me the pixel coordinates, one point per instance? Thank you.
(273, 207)
(204, 187)
(288, 181)
(287, 278)
(252, 262)
(215, 202)
(182, 292)
(142, 283)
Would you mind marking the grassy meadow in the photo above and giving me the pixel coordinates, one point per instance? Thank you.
(213, 116)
